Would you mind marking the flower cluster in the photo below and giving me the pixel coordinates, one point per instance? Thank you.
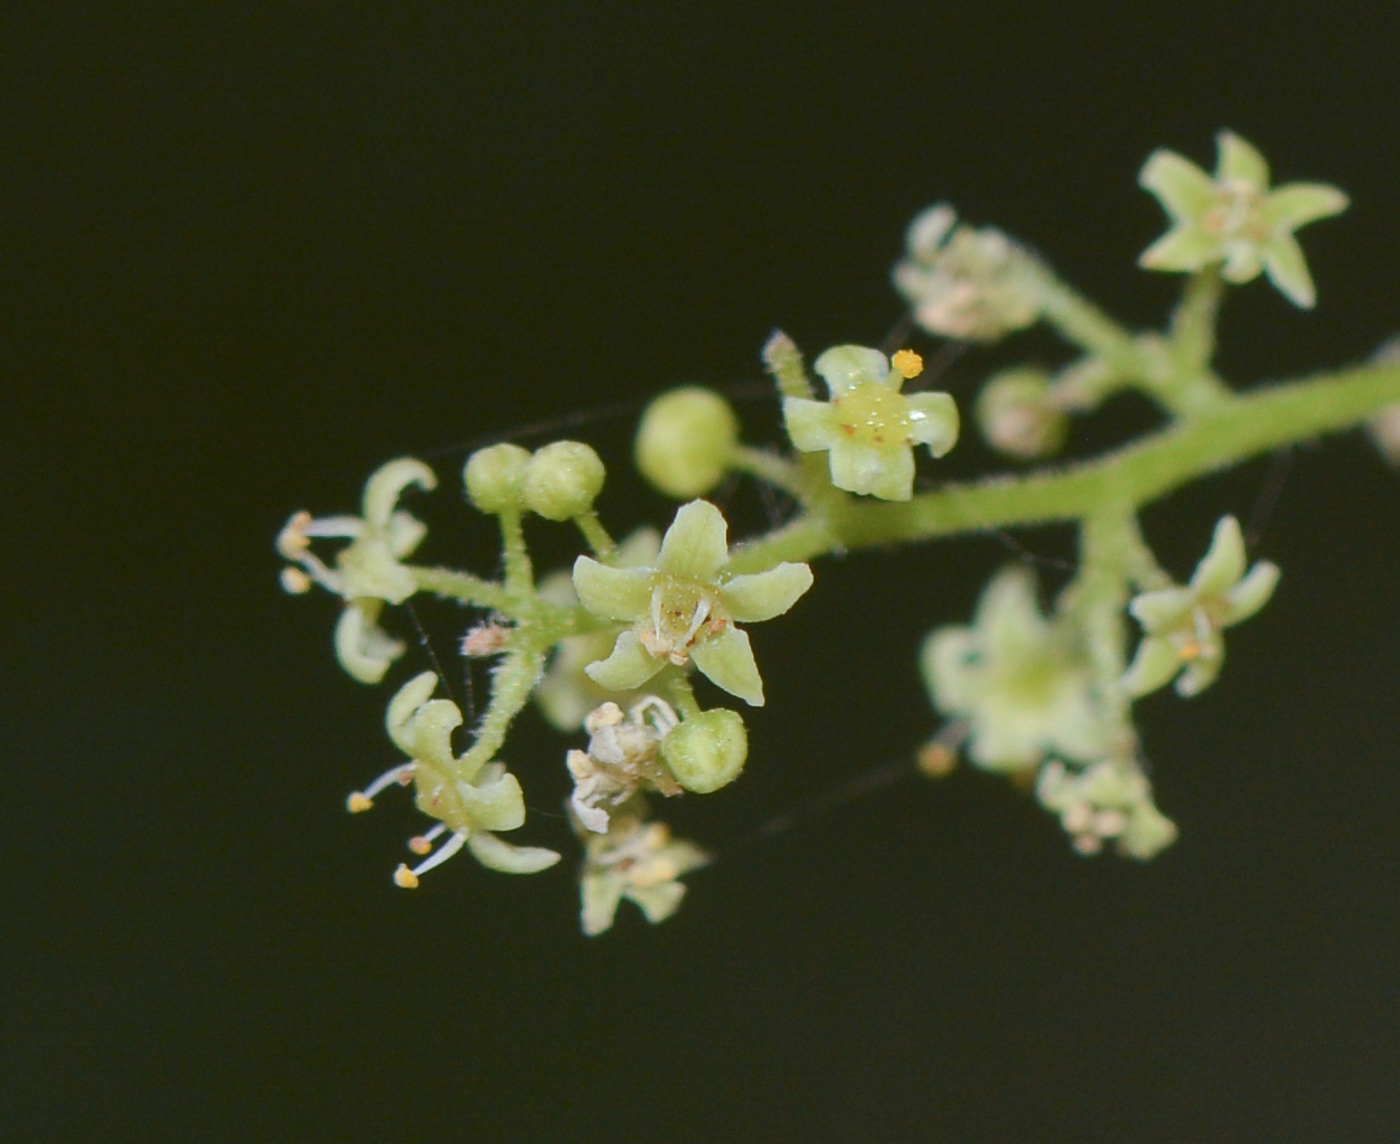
(1234, 219)
(965, 282)
(869, 427)
(684, 607)
(367, 572)
(1183, 626)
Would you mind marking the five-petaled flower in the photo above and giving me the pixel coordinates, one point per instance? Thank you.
(638, 860)
(1183, 625)
(869, 427)
(684, 607)
(1022, 682)
(367, 572)
(1234, 218)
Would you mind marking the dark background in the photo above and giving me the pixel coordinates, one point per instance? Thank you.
(248, 253)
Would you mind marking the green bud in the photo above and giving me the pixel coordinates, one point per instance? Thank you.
(562, 480)
(685, 440)
(707, 751)
(493, 477)
(1018, 415)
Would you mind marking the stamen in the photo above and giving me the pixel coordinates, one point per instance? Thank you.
(444, 852)
(423, 843)
(907, 364)
(702, 611)
(362, 800)
(404, 878)
(295, 582)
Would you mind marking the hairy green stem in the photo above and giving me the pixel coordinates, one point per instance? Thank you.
(1232, 431)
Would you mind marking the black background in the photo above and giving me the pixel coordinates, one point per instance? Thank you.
(248, 253)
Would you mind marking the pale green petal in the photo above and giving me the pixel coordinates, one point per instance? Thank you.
(727, 661)
(949, 662)
(1006, 744)
(386, 485)
(764, 595)
(1288, 270)
(1251, 593)
(406, 701)
(1223, 563)
(640, 549)
(1240, 159)
(696, 545)
(601, 892)
(1009, 621)
(1243, 261)
(658, 902)
(1154, 664)
(855, 467)
(369, 568)
(1185, 247)
(1297, 204)
(496, 854)
(1184, 190)
(429, 733)
(933, 421)
(613, 593)
(495, 805)
(811, 425)
(404, 533)
(363, 648)
(844, 367)
(630, 665)
(895, 480)
(1148, 832)
(1199, 674)
(1160, 610)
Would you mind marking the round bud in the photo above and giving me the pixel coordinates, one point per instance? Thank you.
(685, 440)
(1018, 416)
(562, 480)
(707, 751)
(493, 477)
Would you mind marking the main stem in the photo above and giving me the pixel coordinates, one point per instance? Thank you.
(1227, 433)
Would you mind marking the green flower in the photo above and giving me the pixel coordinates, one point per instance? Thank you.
(1183, 625)
(964, 281)
(367, 572)
(1234, 218)
(471, 803)
(1110, 800)
(637, 860)
(684, 607)
(1020, 681)
(868, 426)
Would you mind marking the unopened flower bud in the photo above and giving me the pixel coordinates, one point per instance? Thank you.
(1019, 416)
(707, 751)
(493, 478)
(562, 480)
(685, 440)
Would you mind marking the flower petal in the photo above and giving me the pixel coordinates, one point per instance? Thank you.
(495, 805)
(601, 892)
(1297, 204)
(363, 648)
(630, 665)
(1288, 270)
(1185, 247)
(386, 485)
(727, 661)
(612, 593)
(1223, 563)
(658, 902)
(1163, 609)
(1184, 190)
(1199, 674)
(1240, 159)
(844, 367)
(1154, 664)
(404, 705)
(497, 854)
(933, 421)
(696, 545)
(1251, 593)
(811, 425)
(764, 595)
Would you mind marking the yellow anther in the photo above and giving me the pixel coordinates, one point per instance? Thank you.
(295, 581)
(357, 802)
(907, 364)
(405, 878)
(936, 760)
(420, 845)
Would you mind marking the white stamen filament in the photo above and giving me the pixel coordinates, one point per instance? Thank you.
(444, 852)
